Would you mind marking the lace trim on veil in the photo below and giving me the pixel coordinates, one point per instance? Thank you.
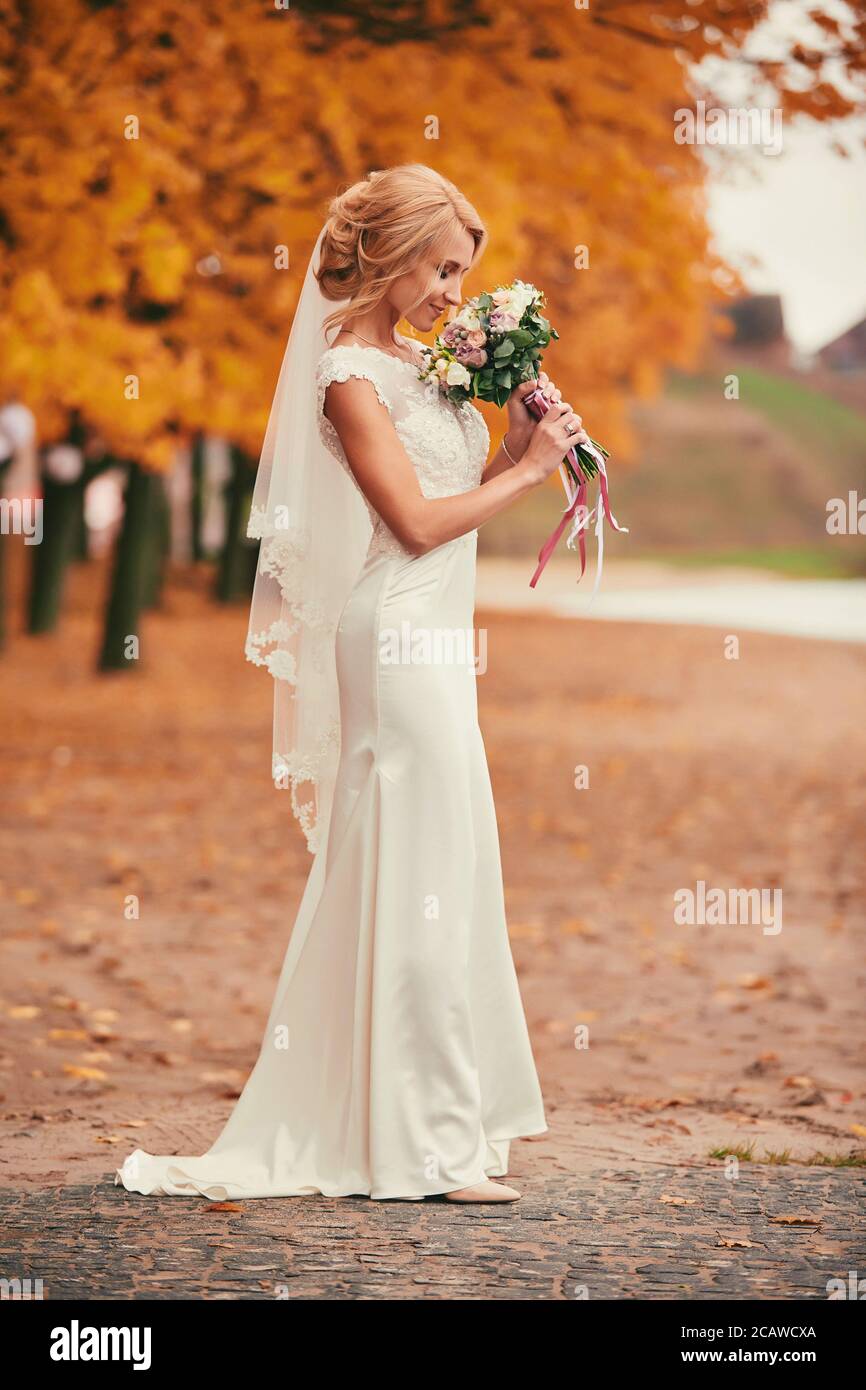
(282, 556)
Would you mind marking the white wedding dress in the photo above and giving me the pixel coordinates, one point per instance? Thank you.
(396, 1060)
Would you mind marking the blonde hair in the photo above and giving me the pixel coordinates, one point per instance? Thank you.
(382, 226)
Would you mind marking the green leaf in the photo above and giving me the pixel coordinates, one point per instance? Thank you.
(503, 350)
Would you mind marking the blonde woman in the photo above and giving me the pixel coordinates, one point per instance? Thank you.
(396, 1061)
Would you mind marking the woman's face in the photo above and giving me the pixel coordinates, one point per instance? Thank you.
(444, 274)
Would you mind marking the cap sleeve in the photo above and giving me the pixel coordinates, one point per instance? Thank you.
(341, 363)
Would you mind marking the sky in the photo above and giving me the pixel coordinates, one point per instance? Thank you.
(794, 223)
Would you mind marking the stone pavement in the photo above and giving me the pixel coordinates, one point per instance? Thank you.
(608, 1234)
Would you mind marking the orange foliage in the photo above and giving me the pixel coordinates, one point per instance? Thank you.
(157, 257)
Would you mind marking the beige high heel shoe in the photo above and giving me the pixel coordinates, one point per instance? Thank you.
(487, 1191)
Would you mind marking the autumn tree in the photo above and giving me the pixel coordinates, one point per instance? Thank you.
(166, 167)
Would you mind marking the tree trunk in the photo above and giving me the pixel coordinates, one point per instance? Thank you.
(197, 498)
(159, 542)
(61, 507)
(233, 573)
(119, 653)
(80, 537)
(4, 546)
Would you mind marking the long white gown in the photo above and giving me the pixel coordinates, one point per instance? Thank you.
(396, 1060)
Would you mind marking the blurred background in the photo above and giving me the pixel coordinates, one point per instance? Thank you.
(165, 169)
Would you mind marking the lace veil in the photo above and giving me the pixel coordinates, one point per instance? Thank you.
(314, 530)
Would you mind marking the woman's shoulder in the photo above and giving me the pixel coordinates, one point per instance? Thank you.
(345, 360)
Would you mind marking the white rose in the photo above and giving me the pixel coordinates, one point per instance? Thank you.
(521, 298)
(457, 375)
(468, 317)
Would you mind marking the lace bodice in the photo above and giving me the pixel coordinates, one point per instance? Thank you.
(447, 444)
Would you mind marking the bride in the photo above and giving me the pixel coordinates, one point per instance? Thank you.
(396, 1061)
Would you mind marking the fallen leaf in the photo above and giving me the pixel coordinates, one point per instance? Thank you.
(85, 1073)
(813, 1098)
(576, 926)
(103, 1032)
(750, 981)
(797, 1220)
(660, 1102)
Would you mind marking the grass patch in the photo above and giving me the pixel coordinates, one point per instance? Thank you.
(855, 1160)
(714, 485)
(774, 1158)
(795, 561)
(827, 427)
(745, 1152)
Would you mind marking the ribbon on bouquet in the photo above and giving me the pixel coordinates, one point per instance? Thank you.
(576, 511)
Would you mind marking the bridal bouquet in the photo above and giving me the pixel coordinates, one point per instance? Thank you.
(489, 348)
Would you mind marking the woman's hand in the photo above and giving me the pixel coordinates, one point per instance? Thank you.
(521, 423)
(553, 436)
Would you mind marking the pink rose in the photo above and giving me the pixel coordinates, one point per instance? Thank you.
(470, 356)
(501, 322)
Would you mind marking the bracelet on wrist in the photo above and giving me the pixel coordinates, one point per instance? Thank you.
(508, 455)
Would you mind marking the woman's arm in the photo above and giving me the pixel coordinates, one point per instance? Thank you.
(500, 462)
(388, 481)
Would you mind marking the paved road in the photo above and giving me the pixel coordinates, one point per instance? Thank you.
(734, 600)
(608, 1233)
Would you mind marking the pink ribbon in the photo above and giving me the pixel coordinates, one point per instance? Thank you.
(538, 405)
(552, 541)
